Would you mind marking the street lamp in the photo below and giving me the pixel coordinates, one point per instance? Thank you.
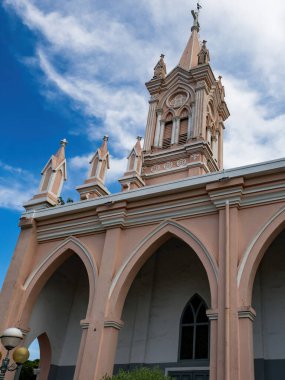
(10, 338)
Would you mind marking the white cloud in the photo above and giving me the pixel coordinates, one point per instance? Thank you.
(16, 186)
(99, 56)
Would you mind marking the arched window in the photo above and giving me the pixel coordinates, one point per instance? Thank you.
(166, 142)
(183, 131)
(194, 330)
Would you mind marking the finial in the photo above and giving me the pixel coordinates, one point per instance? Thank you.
(106, 138)
(63, 142)
(139, 138)
(162, 55)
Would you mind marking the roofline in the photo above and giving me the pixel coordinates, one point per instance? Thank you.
(163, 188)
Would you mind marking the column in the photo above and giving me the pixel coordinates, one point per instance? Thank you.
(175, 130)
(227, 340)
(246, 360)
(100, 343)
(200, 111)
(209, 135)
(161, 133)
(150, 125)
(157, 129)
(190, 129)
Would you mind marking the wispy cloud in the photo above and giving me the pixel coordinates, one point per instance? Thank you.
(16, 186)
(99, 56)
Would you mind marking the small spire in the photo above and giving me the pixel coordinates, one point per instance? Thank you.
(160, 68)
(204, 55)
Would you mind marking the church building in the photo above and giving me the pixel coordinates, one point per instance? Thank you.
(184, 269)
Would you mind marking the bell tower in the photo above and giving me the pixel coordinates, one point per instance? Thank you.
(184, 131)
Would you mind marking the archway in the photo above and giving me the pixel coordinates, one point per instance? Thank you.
(57, 311)
(269, 302)
(154, 305)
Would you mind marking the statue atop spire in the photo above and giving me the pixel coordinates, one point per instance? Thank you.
(196, 24)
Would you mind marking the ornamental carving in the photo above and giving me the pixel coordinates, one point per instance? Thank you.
(155, 168)
(194, 156)
(181, 162)
(178, 99)
(168, 165)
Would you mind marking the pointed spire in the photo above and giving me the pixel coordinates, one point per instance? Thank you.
(93, 186)
(132, 177)
(189, 58)
(53, 175)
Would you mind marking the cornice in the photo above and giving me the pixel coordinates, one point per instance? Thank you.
(150, 204)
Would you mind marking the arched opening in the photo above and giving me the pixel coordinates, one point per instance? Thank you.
(269, 303)
(183, 130)
(194, 330)
(166, 142)
(55, 318)
(153, 308)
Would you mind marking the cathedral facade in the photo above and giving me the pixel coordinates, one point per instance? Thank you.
(184, 269)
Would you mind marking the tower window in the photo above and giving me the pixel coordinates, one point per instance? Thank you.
(194, 330)
(183, 132)
(166, 142)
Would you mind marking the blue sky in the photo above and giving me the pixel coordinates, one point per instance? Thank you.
(76, 69)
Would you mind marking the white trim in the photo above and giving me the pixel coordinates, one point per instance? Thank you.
(168, 187)
(53, 252)
(148, 237)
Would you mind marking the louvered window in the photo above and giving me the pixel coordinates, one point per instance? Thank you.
(183, 131)
(166, 142)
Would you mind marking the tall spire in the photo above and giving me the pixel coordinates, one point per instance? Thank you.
(189, 58)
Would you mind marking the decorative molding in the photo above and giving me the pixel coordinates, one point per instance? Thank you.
(247, 312)
(212, 314)
(71, 239)
(84, 324)
(114, 324)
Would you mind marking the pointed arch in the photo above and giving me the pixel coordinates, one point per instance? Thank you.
(40, 275)
(148, 245)
(254, 253)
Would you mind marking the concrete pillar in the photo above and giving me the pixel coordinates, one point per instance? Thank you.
(100, 346)
(246, 357)
(227, 339)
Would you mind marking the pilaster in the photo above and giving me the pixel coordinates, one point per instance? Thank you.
(101, 336)
(151, 126)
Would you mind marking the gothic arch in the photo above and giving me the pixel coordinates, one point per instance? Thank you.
(39, 276)
(255, 252)
(147, 246)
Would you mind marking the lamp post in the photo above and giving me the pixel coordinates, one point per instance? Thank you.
(10, 338)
